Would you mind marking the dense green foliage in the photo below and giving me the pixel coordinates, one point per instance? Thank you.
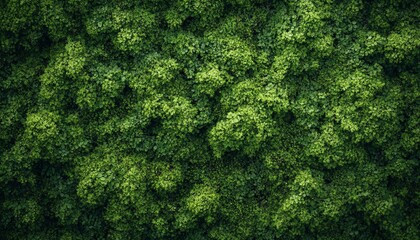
(209, 119)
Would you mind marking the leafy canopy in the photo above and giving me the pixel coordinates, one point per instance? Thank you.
(199, 119)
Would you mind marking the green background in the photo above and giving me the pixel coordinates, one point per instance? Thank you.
(209, 119)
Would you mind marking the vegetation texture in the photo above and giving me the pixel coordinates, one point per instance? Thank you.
(209, 119)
